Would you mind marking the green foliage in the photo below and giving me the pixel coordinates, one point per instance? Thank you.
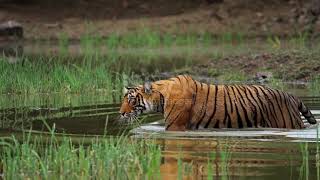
(315, 85)
(274, 42)
(63, 44)
(40, 77)
(59, 158)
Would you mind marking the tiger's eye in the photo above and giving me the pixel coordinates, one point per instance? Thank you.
(132, 101)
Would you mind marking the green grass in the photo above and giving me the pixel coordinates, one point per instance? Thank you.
(315, 85)
(318, 155)
(58, 156)
(43, 75)
(146, 37)
(50, 158)
(104, 61)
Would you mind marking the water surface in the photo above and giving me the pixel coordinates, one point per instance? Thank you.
(223, 153)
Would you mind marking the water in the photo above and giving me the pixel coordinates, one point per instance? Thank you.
(224, 153)
(238, 154)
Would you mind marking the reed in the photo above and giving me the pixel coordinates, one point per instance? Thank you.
(47, 157)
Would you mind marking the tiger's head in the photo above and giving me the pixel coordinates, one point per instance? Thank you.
(138, 100)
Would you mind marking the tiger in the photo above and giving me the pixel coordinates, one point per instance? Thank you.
(188, 104)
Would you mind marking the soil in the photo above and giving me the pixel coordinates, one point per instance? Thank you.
(48, 19)
(291, 66)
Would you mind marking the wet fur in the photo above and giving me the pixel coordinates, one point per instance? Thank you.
(188, 104)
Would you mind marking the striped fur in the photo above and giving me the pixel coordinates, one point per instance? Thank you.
(188, 104)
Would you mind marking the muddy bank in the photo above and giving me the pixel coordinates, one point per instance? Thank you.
(293, 66)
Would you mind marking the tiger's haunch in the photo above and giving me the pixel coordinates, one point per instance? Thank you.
(188, 104)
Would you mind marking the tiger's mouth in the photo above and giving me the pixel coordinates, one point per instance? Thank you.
(131, 116)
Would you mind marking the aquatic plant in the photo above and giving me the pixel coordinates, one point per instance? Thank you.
(54, 157)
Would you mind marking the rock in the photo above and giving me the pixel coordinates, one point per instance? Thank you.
(259, 14)
(263, 77)
(278, 19)
(54, 25)
(214, 1)
(11, 48)
(11, 28)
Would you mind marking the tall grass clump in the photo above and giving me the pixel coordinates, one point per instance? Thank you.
(148, 38)
(113, 41)
(318, 154)
(63, 44)
(315, 85)
(142, 38)
(45, 75)
(274, 42)
(104, 158)
(299, 40)
(304, 168)
(91, 46)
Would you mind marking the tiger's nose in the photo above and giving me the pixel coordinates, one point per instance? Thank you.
(122, 113)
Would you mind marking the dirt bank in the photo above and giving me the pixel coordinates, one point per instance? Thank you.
(284, 66)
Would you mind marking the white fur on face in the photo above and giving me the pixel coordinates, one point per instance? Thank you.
(148, 106)
(124, 90)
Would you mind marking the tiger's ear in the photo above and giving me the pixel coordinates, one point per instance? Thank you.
(147, 88)
(124, 90)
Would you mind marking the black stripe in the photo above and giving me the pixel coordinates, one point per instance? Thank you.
(216, 125)
(277, 101)
(215, 107)
(264, 108)
(236, 97)
(187, 81)
(242, 102)
(293, 102)
(204, 113)
(140, 100)
(249, 123)
(174, 120)
(185, 77)
(260, 107)
(241, 89)
(195, 99)
(179, 79)
(170, 112)
(240, 125)
(273, 111)
(255, 106)
(228, 119)
(292, 119)
(226, 114)
(229, 122)
(161, 105)
(284, 99)
(230, 101)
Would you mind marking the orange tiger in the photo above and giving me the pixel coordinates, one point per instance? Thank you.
(188, 104)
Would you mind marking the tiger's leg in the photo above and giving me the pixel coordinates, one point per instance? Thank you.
(178, 115)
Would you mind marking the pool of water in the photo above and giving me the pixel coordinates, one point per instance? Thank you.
(224, 153)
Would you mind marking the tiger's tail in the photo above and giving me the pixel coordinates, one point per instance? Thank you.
(306, 113)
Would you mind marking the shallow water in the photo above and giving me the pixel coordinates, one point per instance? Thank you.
(239, 154)
(224, 153)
